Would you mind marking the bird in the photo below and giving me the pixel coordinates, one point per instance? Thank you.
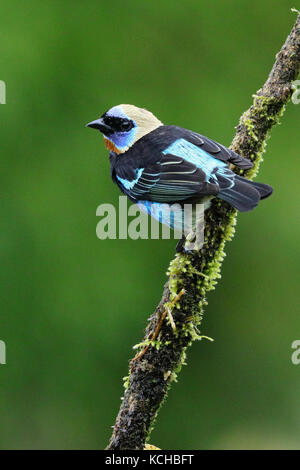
(159, 166)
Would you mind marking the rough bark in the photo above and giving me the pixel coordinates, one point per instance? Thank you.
(152, 373)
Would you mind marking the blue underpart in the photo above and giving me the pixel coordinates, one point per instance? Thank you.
(173, 215)
(162, 212)
(195, 155)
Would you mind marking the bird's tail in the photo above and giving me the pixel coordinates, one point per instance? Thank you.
(244, 195)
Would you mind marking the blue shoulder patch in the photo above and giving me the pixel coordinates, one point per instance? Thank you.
(130, 184)
(195, 155)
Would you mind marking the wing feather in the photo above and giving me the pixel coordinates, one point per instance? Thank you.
(174, 164)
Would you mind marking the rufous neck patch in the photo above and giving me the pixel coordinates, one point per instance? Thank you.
(111, 146)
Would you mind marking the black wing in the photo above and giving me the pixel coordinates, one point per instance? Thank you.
(171, 180)
(149, 171)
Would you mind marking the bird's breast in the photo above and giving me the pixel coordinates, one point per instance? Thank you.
(111, 146)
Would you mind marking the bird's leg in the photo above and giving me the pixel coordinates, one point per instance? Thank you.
(186, 245)
(180, 245)
(194, 240)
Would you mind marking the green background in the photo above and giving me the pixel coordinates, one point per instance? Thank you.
(72, 306)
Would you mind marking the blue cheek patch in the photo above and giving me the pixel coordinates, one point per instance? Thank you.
(129, 184)
(195, 155)
(124, 139)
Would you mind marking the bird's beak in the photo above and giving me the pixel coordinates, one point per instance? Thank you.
(99, 124)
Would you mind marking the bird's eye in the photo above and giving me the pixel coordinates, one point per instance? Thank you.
(126, 126)
(108, 121)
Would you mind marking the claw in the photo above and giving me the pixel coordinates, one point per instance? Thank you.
(189, 244)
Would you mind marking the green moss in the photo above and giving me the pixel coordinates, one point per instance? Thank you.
(175, 372)
(148, 342)
(126, 382)
(250, 128)
(181, 264)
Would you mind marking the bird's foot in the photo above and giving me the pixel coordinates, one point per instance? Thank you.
(189, 244)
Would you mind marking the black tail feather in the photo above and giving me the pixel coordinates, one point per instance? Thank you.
(265, 190)
(245, 194)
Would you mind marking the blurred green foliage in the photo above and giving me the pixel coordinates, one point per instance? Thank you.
(72, 306)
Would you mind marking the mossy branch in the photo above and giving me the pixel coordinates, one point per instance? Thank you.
(153, 372)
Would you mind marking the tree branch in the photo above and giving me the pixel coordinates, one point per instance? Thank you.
(152, 372)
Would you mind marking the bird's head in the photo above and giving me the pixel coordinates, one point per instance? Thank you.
(123, 125)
